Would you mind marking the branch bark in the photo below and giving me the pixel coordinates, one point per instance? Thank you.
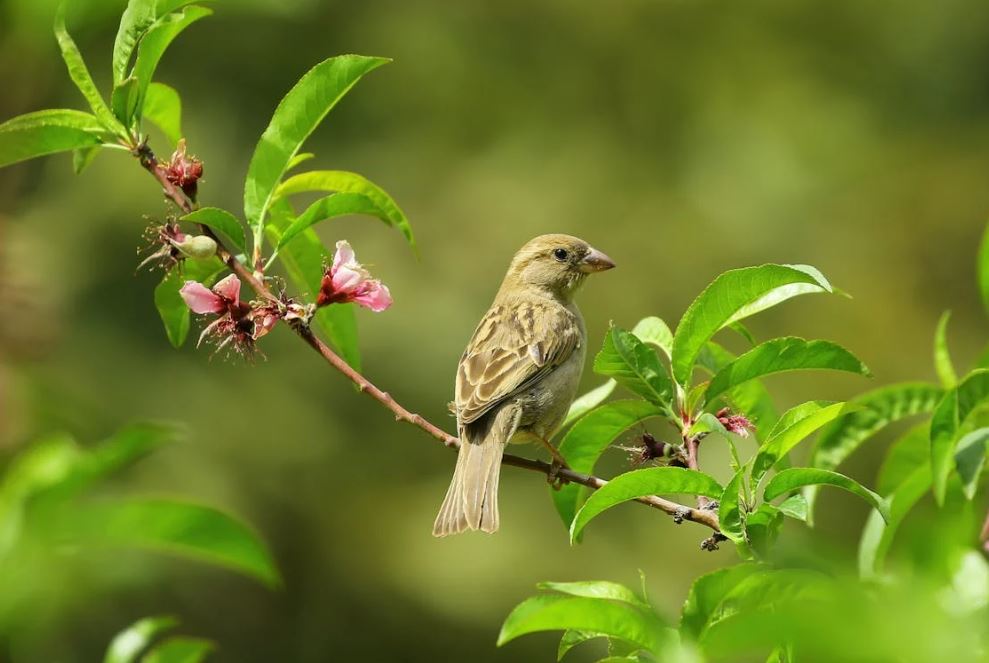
(173, 193)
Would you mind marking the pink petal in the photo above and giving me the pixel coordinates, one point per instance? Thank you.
(348, 277)
(229, 289)
(201, 299)
(374, 296)
(344, 255)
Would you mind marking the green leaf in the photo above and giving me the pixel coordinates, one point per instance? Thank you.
(151, 49)
(640, 483)
(136, 19)
(343, 182)
(221, 221)
(762, 528)
(970, 458)
(795, 506)
(304, 260)
(584, 404)
(587, 440)
(296, 117)
(298, 159)
(942, 358)
(117, 452)
(126, 645)
(571, 638)
(732, 296)
(750, 398)
(172, 309)
(163, 108)
(878, 533)
(82, 157)
(948, 417)
(616, 619)
(328, 207)
(798, 477)
(730, 510)
(189, 530)
(784, 354)
(791, 430)
(596, 589)
(79, 74)
(635, 366)
(905, 455)
(47, 132)
(983, 268)
(742, 331)
(707, 594)
(180, 649)
(655, 331)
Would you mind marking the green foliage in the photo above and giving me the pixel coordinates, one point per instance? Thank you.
(137, 643)
(163, 108)
(798, 477)
(48, 132)
(222, 222)
(947, 425)
(635, 366)
(297, 116)
(171, 307)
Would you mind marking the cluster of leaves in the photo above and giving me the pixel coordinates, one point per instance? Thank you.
(146, 30)
(49, 515)
(136, 644)
(789, 612)
(660, 367)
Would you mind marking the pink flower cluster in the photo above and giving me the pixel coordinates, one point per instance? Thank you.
(738, 424)
(240, 324)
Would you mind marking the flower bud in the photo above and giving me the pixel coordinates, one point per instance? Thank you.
(199, 247)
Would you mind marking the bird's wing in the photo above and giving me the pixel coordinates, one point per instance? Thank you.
(513, 346)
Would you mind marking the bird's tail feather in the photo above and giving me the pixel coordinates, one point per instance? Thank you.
(472, 500)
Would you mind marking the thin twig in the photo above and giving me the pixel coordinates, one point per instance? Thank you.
(174, 193)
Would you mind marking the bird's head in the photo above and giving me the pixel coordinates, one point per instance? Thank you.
(557, 263)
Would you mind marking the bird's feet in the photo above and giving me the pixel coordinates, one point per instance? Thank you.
(553, 476)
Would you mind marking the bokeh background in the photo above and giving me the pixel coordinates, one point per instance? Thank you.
(683, 138)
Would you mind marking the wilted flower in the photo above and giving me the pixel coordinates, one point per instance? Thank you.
(168, 246)
(184, 171)
(346, 280)
(650, 449)
(235, 323)
(738, 424)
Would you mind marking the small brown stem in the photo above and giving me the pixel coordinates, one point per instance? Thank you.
(174, 193)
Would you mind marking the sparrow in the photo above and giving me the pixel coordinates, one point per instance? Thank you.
(519, 373)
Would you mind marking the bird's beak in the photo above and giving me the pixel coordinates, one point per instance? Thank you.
(595, 261)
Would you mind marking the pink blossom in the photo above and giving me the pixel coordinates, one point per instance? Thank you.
(347, 281)
(738, 424)
(200, 299)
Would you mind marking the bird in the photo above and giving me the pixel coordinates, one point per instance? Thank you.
(519, 373)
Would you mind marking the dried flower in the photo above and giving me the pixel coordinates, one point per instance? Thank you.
(184, 171)
(738, 424)
(168, 246)
(650, 449)
(346, 280)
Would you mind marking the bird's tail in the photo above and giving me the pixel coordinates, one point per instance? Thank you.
(472, 500)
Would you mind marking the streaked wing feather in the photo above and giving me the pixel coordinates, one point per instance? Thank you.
(512, 347)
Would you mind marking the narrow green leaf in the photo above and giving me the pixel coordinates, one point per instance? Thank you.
(784, 354)
(798, 477)
(635, 366)
(732, 296)
(126, 645)
(970, 458)
(117, 452)
(82, 157)
(123, 100)
(152, 47)
(878, 533)
(79, 74)
(655, 331)
(584, 404)
(948, 417)
(168, 6)
(221, 221)
(596, 589)
(587, 440)
(328, 207)
(708, 592)
(553, 612)
(983, 268)
(730, 510)
(795, 506)
(47, 132)
(341, 181)
(136, 19)
(180, 649)
(296, 117)
(640, 483)
(750, 398)
(298, 159)
(742, 331)
(571, 638)
(304, 260)
(788, 433)
(163, 108)
(942, 357)
(189, 530)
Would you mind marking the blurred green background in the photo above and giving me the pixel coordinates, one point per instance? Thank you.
(682, 138)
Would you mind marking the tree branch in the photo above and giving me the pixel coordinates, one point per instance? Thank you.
(680, 512)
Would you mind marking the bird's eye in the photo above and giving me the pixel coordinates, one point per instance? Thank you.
(560, 254)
